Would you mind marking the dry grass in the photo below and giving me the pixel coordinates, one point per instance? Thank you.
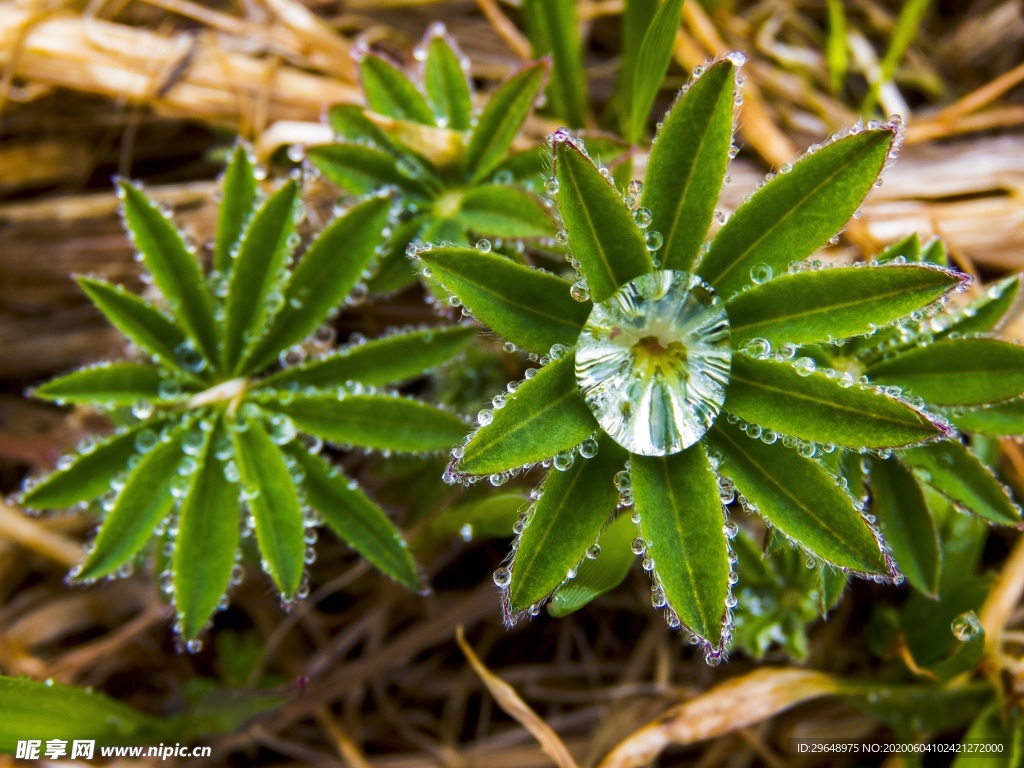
(373, 675)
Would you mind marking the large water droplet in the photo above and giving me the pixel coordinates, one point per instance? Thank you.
(966, 626)
(653, 362)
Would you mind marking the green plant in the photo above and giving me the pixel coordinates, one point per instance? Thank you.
(450, 165)
(223, 443)
(659, 372)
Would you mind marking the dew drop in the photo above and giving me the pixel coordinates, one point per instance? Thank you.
(804, 366)
(760, 273)
(642, 217)
(966, 626)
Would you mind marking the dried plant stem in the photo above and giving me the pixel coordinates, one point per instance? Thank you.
(33, 534)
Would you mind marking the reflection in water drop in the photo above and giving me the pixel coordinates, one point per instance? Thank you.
(653, 362)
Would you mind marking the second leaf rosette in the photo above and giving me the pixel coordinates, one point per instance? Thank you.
(659, 392)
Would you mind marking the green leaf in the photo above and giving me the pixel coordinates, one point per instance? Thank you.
(361, 169)
(909, 248)
(389, 92)
(652, 62)
(602, 233)
(107, 383)
(952, 470)
(943, 707)
(500, 121)
(934, 252)
(544, 416)
(394, 358)
(265, 248)
(836, 55)
(564, 523)
(204, 551)
(89, 474)
(600, 574)
(681, 521)
(636, 18)
(831, 585)
(138, 320)
(175, 270)
(553, 30)
(796, 212)
(837, 303)
(447, 86)
(501, 210)
(906, 525)
(238, 196)
(349, 121)
(273, 501)
(382, 422)
(687, 165)
(1002, 420)
(956, 371)
(145, 500)
(993, 727)
(532, 309)
(776, 396)
(356, 518)
(986, 313)
(33, 710)
(799, 498)
(329, 270)
(394, 269)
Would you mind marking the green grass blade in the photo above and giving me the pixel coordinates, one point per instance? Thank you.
(652, 62)
(174, 268)
(956, 371)
(447, 85)
(356, 518)
(799, 498)
(238, 197)
(553, 30)
(797, 211)
(108, 383)
(814, 307)
(544, 416)
(500, 121)
(273, 502)
(681, 521)
(775, 395)
(266, 246)
(1001, 420)
(906, 525)
(687, 165)
(389, 92)
(387, 360)
(327, 273)
(602, 233)
(89, 474)
(955, 472)
(565, 522)
(30, 709)
(381, 422)
(395, 270)
(907, 27)
(532, 309)
(835, 49)
(145, 500)
(636, 18)
(204, 551)
(600, 574)
(500, 210)
(140, 321)
(361, 169)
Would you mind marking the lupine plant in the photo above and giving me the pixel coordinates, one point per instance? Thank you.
(450, 164)
(227, 419)
(659, 394)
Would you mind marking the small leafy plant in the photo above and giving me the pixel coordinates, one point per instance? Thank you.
(659, 390)
(450, 165)
(222, 443)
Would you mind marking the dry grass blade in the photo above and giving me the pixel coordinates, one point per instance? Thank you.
(514, 706)
(730, 706)
(32, 534)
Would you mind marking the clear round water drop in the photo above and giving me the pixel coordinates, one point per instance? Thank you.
(653, 362)
(966, 626)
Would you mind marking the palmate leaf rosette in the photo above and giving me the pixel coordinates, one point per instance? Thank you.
(659, 396)
(224, 442)
(452, 164)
